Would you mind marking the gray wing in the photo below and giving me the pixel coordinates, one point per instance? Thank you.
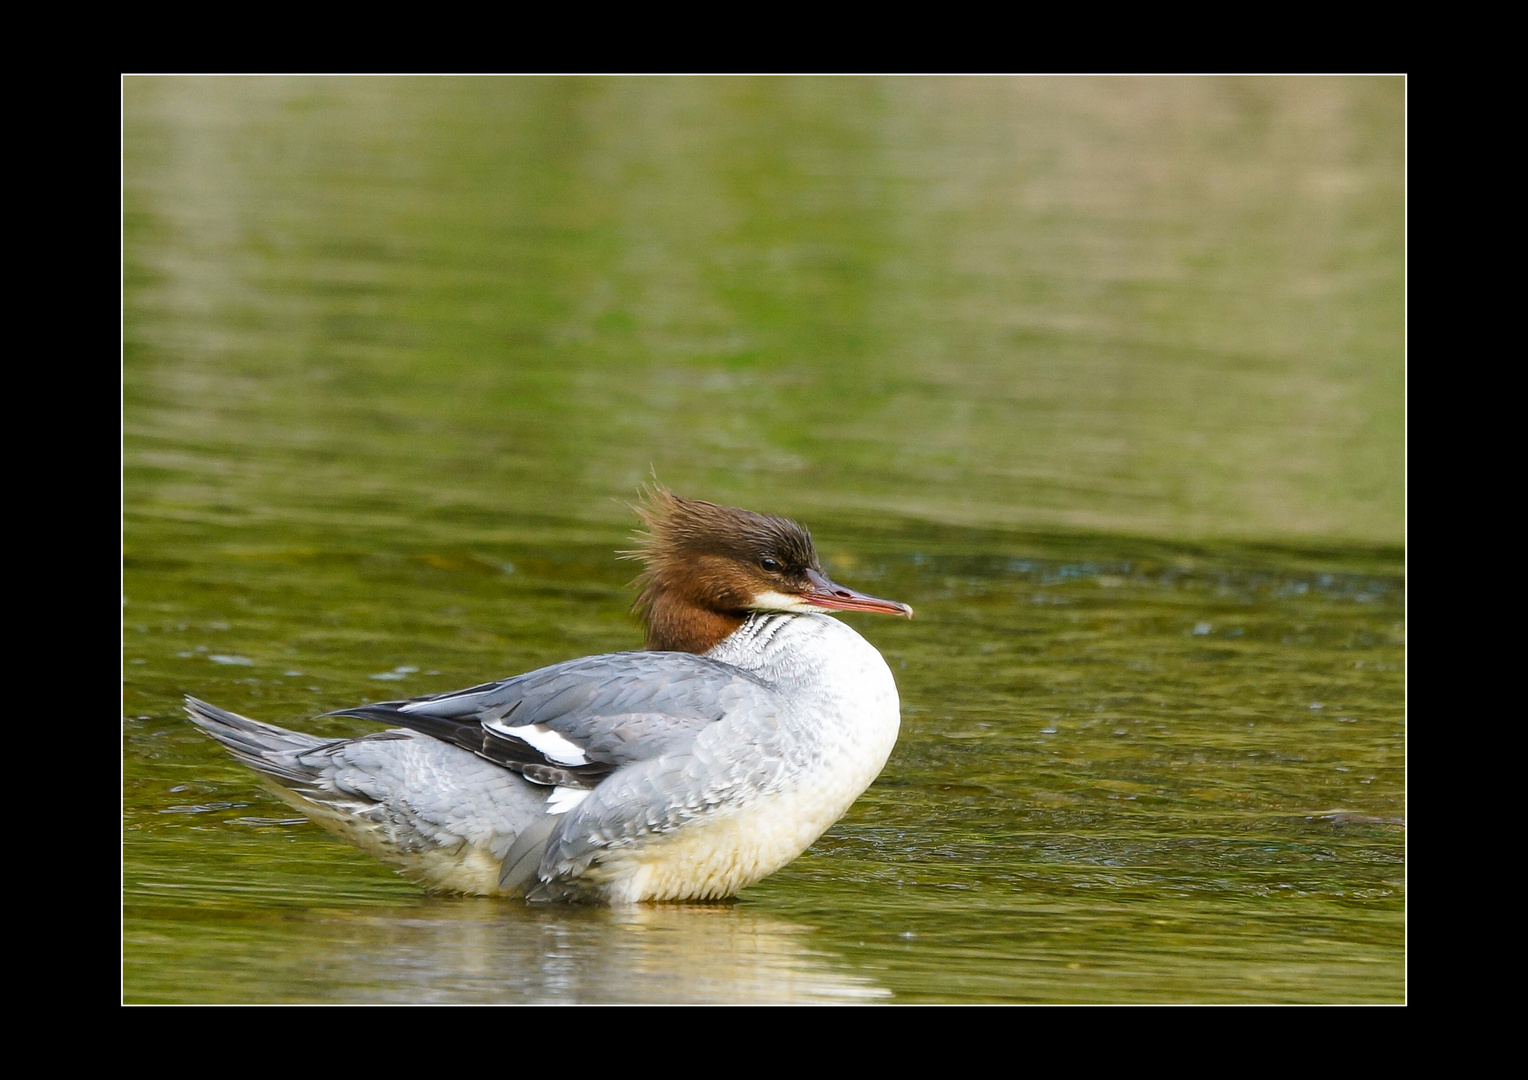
(575, 723)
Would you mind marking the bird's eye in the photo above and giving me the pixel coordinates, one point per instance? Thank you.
(769, 564)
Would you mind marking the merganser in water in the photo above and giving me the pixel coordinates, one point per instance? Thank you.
(685, 772)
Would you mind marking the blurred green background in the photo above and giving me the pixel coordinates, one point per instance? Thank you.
(1154, 306)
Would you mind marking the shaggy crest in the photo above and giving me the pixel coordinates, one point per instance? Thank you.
(705, 564)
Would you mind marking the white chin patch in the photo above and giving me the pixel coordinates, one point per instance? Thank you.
(773, 601)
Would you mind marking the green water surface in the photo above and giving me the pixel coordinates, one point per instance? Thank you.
(1103, 376)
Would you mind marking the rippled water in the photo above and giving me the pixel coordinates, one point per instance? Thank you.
(1102, 376)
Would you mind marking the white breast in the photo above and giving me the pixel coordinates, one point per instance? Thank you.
(835, 746)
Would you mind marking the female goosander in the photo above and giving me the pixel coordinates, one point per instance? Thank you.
(685, 772)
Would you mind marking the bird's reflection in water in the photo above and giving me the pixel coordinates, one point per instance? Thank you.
(493, 951)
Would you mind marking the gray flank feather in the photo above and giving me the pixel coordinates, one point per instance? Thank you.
(524, 858)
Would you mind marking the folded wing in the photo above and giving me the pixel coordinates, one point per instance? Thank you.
(573, 724)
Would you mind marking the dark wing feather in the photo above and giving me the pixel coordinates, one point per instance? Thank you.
(615, 709)
(512, 753)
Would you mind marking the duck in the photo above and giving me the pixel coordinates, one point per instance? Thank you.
(686, 771)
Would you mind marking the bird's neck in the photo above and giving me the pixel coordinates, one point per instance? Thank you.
(677, 625)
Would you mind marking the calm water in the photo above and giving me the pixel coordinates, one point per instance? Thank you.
(1103, 376)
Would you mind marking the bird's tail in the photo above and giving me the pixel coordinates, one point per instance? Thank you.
(275, 752)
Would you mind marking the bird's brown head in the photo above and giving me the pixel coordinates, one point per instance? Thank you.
(709, 566)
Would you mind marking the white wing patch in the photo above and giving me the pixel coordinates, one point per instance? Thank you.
(551, 745)
(564, 799)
